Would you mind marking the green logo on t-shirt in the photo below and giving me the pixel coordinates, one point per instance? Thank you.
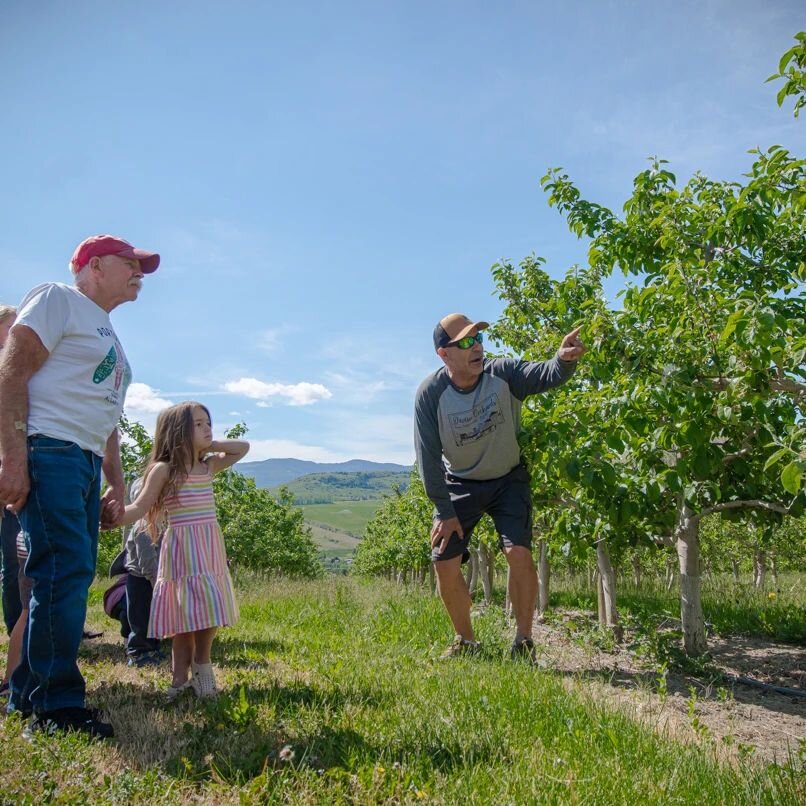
(106, 367)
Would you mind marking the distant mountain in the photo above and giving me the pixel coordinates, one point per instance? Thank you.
(271, 472)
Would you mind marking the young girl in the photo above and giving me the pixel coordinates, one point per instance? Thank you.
(193, 595)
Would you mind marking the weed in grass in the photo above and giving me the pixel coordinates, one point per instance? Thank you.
(662, 682)
(240, 713)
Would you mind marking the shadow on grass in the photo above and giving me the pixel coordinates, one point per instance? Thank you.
(227, 651)
(678, 684)
(231, 651)
(251, 728)
(108, 647)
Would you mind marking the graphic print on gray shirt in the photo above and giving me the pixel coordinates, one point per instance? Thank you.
(473, 434)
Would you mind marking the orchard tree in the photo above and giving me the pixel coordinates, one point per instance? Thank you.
(396, 538)
(692, 384)
(587, 495)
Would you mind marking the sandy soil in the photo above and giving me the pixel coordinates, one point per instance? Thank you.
(737, 719)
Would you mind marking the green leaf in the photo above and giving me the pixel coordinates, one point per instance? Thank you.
(785, 58)
(730, 326)
(775, 458)
(791, 477)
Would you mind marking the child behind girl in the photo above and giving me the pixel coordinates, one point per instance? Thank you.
(193, 594)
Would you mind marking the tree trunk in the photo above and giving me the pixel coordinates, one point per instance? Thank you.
(735, 564)
(636, 570)
(688, 552)
(600, 610)
(508, 600)
(543, 578)
(760, 570)
(473, 571)
(669, 575)
(485, 574)
(432, 579)
(608, 588)
(774, 570)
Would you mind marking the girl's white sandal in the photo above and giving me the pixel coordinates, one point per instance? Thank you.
(203, 680)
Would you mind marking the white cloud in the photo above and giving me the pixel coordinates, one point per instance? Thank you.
(297, 394)
(143, 404)
(142, 399)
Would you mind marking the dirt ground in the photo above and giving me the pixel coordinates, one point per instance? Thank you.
(737, 719)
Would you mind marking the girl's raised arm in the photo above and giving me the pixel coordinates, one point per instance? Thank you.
(152, 487)
(226, 452)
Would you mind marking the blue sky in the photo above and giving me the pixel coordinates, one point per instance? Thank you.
(325, 180)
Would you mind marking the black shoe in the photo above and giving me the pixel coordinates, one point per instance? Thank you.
(145, 659)
(523, 650)
(80, 720)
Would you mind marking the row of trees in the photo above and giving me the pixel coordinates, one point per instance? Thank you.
(689, 403)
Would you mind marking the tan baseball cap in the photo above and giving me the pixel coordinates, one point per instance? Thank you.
(453, 327)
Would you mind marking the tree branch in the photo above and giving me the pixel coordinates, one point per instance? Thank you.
(776, 384)
(729, 457)
(750, 504)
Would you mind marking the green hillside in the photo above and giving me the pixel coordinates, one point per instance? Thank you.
(351, 517)
(324, 488)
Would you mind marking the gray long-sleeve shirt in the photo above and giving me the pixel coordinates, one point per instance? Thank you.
(473, 433)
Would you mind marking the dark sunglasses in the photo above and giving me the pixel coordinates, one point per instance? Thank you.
(467, 342)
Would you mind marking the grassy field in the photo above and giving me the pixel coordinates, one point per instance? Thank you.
(333, 542)
(347, 516)
(332, 695)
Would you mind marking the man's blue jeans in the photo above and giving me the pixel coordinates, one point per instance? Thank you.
(12, 607)
(60, 523)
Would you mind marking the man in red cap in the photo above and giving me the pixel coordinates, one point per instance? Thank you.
(63, 381)
(466, 423)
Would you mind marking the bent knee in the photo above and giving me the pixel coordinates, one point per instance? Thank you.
(518, 555)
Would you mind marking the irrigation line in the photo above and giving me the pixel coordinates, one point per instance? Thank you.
(749, 681)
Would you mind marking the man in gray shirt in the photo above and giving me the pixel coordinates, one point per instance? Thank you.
(466, 422)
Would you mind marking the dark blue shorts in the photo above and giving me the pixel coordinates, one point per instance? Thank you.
(507, 500)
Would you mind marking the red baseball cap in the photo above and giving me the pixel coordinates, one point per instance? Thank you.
(100, 245)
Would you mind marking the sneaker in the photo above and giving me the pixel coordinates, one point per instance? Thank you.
(459, 646)
(523, 650)
(203, 680)
(145, 659)
(78, 720)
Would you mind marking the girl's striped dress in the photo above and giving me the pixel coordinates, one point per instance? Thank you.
(193, 589)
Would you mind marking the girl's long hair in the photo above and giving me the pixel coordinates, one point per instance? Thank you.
(173, 444)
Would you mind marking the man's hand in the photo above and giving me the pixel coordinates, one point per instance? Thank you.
(111, 507)
(442, 531)
(14, 484)
(571, 348)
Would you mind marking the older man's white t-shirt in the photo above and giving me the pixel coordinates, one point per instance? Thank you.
(78, 393)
